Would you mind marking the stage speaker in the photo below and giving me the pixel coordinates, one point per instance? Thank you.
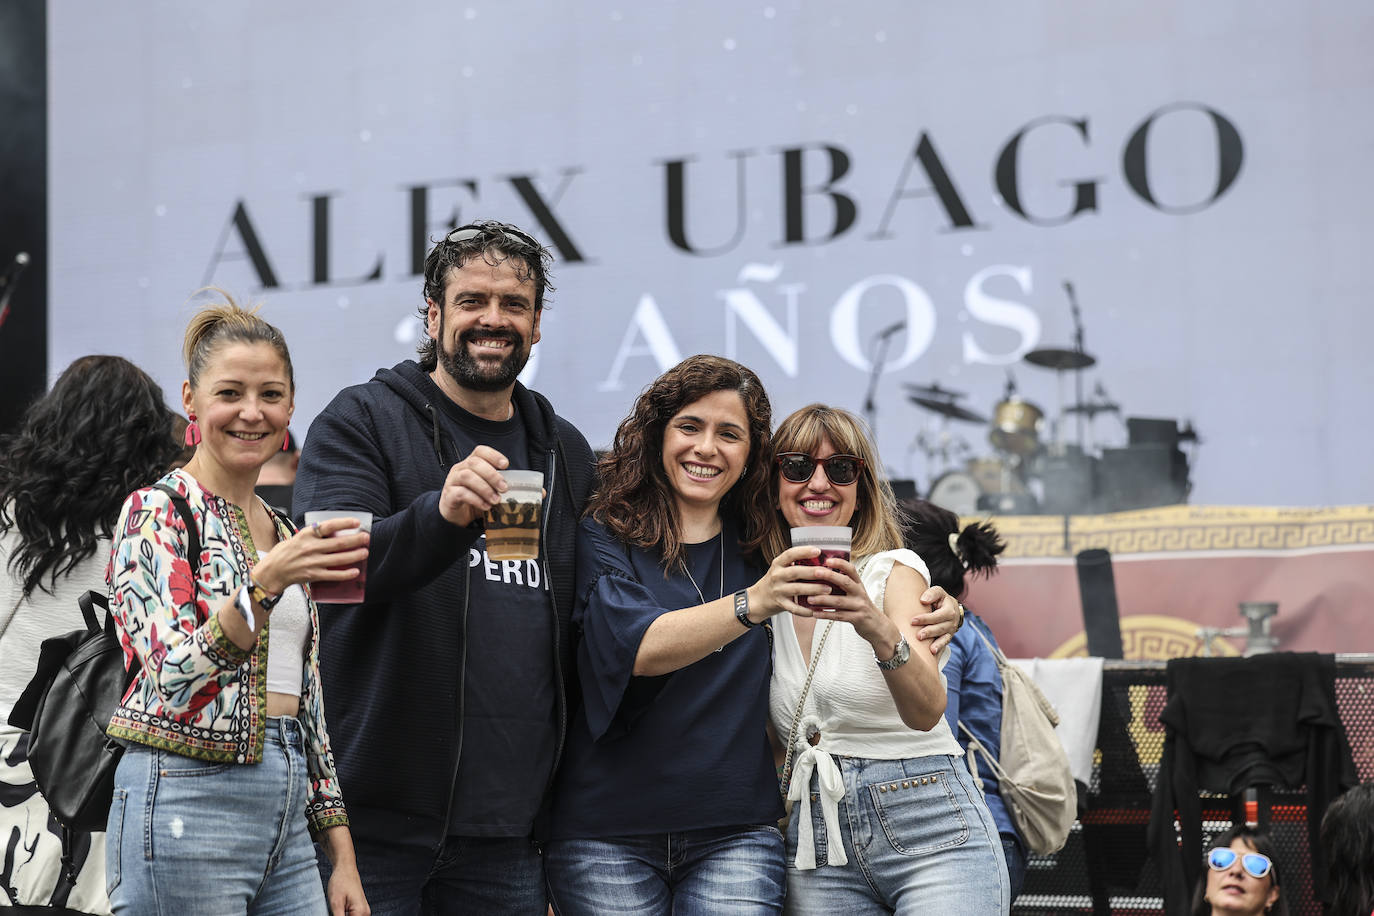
(1152, 431)
(1069, 478)
(1140, 476)
(904, 490)
(1097, 591)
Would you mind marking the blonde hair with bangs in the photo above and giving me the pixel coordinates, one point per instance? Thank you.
(875, 511)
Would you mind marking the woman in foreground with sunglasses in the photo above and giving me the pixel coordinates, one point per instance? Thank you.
(1241, 878)
(885, 816)
(666, 800)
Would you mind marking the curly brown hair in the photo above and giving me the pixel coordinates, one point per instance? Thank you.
(634, 500)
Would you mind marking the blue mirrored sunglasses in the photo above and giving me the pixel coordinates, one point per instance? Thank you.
(1255, 865)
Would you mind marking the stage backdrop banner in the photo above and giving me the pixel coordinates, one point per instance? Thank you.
(848, 199)
(778, 182)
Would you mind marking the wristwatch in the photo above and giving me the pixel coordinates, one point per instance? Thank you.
(742, 608)
(251, 592)
(900, 656)
(265, 598)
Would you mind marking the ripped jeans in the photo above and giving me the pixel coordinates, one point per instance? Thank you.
(214, 839)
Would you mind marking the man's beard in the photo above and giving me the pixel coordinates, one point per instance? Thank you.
(482, 375)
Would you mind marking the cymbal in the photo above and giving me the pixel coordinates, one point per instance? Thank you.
(1093, 408)
(933, 391)
(947, 409)
(1056, 358)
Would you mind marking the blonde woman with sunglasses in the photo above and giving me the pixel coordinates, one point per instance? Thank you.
(885, 816)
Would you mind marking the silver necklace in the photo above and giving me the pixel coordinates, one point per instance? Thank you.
(686, 567)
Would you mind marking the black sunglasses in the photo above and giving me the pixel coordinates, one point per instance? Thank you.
(841, 470)
(466, 233)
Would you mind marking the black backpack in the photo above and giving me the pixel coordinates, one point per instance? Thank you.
(68, 704)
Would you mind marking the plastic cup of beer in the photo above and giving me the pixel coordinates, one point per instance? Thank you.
(349, 591)
(513, 523)
(834, 542)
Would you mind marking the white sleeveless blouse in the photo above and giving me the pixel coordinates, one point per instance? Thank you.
(849, 702)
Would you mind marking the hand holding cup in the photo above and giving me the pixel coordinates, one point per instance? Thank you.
(787, 582)
(340, 574)
(473, 486)
(312, 553)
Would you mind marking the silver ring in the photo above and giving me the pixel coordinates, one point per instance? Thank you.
(315, 526)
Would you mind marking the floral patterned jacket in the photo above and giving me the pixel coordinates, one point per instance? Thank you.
(196, 693)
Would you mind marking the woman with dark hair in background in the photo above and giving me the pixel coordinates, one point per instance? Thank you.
(973, 684)
(228, 769)
(1347, 841)
(1241, 878)
(102, 432)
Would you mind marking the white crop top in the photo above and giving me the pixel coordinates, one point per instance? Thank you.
(289, 627)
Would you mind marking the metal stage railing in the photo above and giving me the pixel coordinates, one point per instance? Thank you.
(1105, 866)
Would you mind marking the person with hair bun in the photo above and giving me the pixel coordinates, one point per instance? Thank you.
(228, 760)
(973, 684)
(101, 431)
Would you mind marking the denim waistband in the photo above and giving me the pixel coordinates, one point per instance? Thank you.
(285, 730)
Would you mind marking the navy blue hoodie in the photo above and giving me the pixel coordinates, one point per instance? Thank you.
(392, 668)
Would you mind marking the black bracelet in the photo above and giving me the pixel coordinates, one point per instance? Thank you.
(742, 608)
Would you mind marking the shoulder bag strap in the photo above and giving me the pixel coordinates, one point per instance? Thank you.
(192, 531)
(796, 717)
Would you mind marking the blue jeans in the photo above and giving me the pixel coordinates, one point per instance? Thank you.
(731, 870)
(186, 836)
(1016, 864)
(465, 875)
(918, 837)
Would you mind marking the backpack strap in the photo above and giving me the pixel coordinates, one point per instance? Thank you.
(189, 520)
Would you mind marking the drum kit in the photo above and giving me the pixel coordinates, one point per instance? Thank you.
(1008, 480)
(1030, 472)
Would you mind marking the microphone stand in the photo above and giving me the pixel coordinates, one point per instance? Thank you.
(870, 405)
(1078, 346)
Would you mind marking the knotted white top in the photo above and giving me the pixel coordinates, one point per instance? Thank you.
(849, 705)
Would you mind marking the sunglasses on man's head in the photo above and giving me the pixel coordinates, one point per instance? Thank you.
(1255, 865)
(841, 470)
(466, 233)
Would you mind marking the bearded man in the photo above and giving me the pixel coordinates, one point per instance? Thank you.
(448, 686)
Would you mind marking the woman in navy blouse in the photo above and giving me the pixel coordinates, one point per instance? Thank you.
(667, 798)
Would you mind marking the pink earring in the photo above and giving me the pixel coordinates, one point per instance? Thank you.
(286, 441)
(192, 438)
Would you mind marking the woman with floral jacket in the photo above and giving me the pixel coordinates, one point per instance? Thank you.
(228, 759)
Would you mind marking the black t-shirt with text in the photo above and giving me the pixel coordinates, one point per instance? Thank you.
(509, 696)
